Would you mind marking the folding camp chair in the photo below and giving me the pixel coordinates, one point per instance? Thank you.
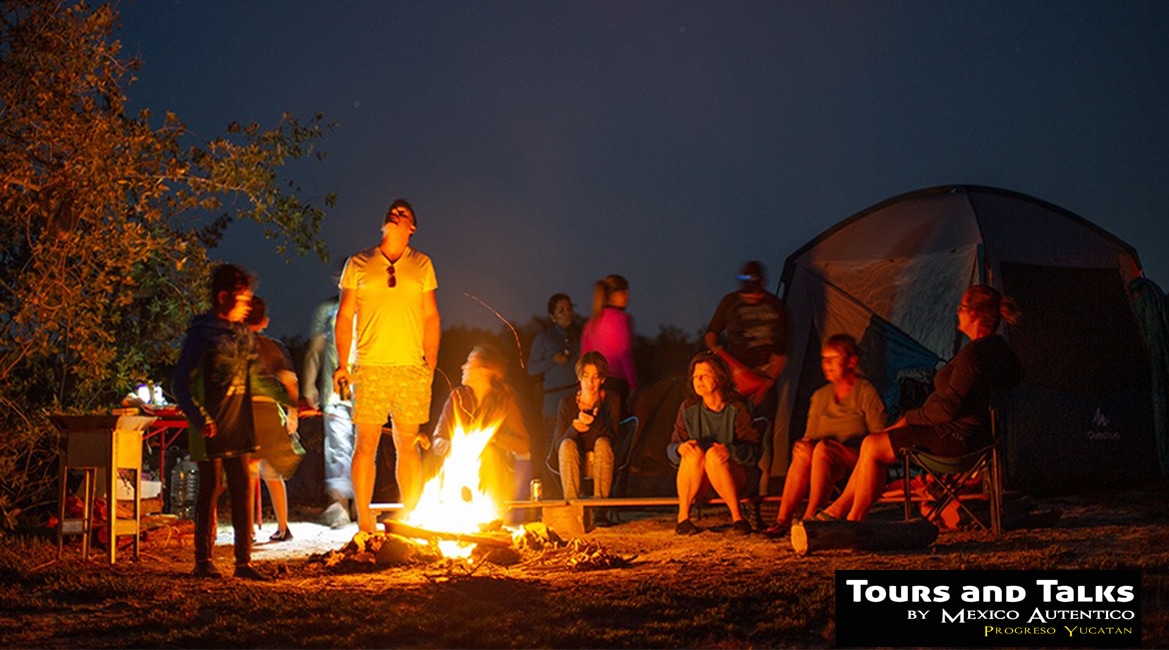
(949, 477)
(626, 429)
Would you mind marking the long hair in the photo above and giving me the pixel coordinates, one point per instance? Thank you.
(989, 307)
(725, 384)
(493, 360)
(603, 290)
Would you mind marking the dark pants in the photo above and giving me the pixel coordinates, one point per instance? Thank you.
(239, 487)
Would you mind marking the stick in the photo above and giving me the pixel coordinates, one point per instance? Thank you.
(414, 532)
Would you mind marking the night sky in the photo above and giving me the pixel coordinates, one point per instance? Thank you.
(547, 144)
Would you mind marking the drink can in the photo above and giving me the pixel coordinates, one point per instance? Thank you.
(537, 490)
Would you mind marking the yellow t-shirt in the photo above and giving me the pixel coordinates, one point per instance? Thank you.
(389, 324)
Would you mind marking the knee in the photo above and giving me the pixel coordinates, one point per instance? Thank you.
(603, 447)
(568, 447)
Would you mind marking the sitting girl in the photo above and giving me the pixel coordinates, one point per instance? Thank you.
(840, 415)
(715, 443)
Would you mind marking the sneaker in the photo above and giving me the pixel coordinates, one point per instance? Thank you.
(686, 527)
(281, 536)
(741, 527)
(249, 572)
(776, 531)
(336, 515)
(206, 570)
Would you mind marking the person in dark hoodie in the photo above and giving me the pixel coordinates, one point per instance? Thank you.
(211, 384)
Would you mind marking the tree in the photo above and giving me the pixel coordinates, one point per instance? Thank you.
(105, 219)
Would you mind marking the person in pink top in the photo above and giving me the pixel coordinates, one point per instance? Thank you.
(610, 331)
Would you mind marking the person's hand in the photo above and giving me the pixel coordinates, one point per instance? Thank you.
(311, 396)
(341, 383)
(689, 448)
(423, 441)
(719, 451)
(583, 421)
(209, 429)
(562, 358)
(292, 422)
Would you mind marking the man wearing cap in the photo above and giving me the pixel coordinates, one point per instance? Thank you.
(753, 324)
(388, 303)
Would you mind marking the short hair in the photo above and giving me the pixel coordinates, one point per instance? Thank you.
(400, 203)
(844, 344)
(988, 306)
(258, 312)
(555, 300)
(596, 360)
(231, 278)
(722, 373)
(752, 276)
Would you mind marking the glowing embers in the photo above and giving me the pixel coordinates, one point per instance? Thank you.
(454, 500)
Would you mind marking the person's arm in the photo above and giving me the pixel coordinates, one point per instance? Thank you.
(627, 355)
(711, 340)
(194, 347)
(513, 433)
(431, 329)
(313, 355)
(539, 359)
(946, 401)
(680, 437)
(873, 408)
(441, 443)
(747, 446)
(718, 323)
(343, 335)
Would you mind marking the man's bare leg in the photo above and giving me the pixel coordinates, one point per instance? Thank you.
(364, 472)
(408, 465)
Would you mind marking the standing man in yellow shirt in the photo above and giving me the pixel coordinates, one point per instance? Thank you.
(388, 305)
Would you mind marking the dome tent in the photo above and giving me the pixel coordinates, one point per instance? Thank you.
(892, 276)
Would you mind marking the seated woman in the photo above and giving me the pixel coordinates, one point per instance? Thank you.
(840, 415)
(715, 443)
(485, 399)
(955, 418)
(586, 424)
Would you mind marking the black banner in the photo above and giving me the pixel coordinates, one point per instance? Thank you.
(979, 609)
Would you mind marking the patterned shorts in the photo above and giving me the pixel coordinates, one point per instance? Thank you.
(401, 392)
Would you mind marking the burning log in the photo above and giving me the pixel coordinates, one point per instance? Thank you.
(414, 532)
(808, 536)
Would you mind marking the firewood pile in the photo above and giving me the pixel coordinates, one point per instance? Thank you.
(533, 545)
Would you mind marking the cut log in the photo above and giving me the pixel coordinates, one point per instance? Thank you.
(414, 532)
(809, 536)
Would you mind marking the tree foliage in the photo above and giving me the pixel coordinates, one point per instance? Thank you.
(106, 218)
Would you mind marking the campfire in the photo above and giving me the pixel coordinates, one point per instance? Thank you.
(454, 509)
(459, 522)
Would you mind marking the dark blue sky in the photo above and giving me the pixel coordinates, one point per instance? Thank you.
(546, 144)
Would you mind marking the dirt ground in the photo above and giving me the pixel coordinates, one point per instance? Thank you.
(714, 589)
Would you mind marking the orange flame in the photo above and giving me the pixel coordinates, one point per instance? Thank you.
(454, 500)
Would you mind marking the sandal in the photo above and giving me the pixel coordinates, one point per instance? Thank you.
(281, 536)
(776, 530)
(822, 515)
